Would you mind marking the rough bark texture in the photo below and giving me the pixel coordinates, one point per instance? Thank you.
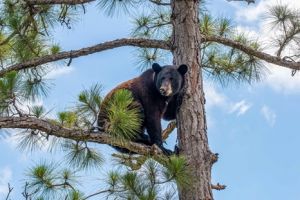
(192, 137)
(56, 130)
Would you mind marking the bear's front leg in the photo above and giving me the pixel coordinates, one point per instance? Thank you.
(154, 131)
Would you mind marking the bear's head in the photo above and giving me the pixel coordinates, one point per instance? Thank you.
(169, 79)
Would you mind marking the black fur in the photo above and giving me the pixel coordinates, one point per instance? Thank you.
(154, 106)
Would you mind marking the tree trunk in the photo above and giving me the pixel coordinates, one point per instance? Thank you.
(192, 137)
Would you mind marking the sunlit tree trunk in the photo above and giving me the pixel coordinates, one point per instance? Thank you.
(192, 134)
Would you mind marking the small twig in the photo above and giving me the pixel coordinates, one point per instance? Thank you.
(218, 187)
(171, 126)
(9, 191)
(159, 2)
(97, 193)
(70, 61)
(214, 157)
(248, 1)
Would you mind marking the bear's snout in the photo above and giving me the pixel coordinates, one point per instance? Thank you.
(166, 89)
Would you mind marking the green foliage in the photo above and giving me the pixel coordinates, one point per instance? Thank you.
(55, 49)
(82, 157)
(67, 119)
(124, 115)
(18, 88)
(226, 64)
(88, 105)
(5, 50)
(155, 25)
(229, 64)
(75, 195)
(25, 30)
(9, 91)
(46, 181)
(152, 181)
(33, 84)
(176, 168)
(286, 21)
(112, 7)
(38, 111)
(216, 26)
(145, 57)
(31, 141)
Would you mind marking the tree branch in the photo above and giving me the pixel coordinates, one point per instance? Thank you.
(147, 43)
(218, 187)
(248, 1)
(75, 134)
(160, 3)
(248, 50)
(48, 2)
(171, 126)
(140, 42)
(10, 189)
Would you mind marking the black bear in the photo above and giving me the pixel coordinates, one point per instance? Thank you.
(155, 91)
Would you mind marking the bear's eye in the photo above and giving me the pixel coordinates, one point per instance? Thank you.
(163, 78)
(171, 79)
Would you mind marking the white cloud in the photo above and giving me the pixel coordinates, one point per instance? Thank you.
(240, 107)
(57, 71)
(281, 80)
(6, 175)
(269, 115)
(256, 11)
(213, 97)
(250, 32)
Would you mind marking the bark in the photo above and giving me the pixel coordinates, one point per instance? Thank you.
(147, 43)
(250, 51)
(56, 130)
(191, 122)
(144, 43)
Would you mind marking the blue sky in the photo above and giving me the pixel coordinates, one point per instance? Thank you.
(253, 128)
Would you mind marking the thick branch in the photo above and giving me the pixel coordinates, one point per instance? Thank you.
(248, 50)
(144, 43)
(73, 134)
(147, 43)
(48, 2)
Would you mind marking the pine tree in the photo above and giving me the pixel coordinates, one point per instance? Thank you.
(183, 28)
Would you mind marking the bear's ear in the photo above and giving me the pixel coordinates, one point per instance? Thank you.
(182, 69)
(156, 67)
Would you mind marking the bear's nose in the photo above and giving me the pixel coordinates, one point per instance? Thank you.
(162, 91)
